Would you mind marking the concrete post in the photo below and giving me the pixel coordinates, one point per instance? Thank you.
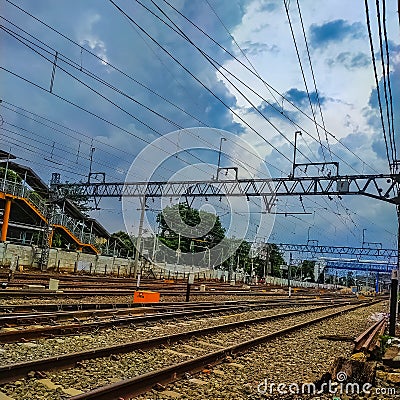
(139, 238)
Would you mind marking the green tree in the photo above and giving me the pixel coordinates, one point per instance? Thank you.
(59, 240)
(271, 252)
(307, 268)
(267, 253)
(350, 279)
(239, 254)
(11, 175)
(181, 225)
(123, 242)
(184, 227)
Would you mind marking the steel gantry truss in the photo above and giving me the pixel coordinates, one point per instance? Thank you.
(383, 260)
(388, 254)
(381, 187)
(359, 265)
(384, 187)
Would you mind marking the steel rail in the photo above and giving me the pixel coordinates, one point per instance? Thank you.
(49, 331)
(26, 319)
(46, 307)
(367, 341)
(36, 317)
(18, 370)
(6, 294)
(142, 383)
(75, 328)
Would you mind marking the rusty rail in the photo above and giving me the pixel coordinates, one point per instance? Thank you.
(49, 331)
(160, 314)
(18, 370)
(368, 340)
(143, 383)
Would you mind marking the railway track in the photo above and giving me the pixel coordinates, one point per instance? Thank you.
(217, 342)
(6, 309)
(18, 370)
(75, 286)
(17, 315)
(22, 326)
(76, 294)
(73, 282)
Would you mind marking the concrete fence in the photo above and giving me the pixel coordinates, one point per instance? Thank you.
(295, 283)
(12, 255)
(175, 271)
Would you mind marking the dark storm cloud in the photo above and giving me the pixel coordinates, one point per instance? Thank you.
(335, 31)
(300, 97)
(351, 60)
(268, 6)
(100, 28)
(254, 48)
(275, 110)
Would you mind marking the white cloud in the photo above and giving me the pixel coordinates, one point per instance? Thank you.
(87, 37)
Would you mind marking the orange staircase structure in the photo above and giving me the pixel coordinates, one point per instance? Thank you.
(76, 230)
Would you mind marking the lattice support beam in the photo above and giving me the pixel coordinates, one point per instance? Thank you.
(381, 187)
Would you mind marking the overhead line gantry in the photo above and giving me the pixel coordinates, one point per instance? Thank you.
(383, 187)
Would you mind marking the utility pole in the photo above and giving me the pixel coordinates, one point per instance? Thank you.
(395, 284)
(219, 155)
(289, 274)
(267, 265)
(155, 246)
(230, 273)
(92, 149)
(251, 271)
(294, 151)
(139, 238)
(178, 250)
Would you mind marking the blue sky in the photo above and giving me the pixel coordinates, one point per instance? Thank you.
(155, 96)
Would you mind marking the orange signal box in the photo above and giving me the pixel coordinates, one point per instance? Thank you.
(145, 296)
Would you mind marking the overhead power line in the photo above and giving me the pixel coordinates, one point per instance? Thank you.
(269, 86)
(219, 67)
(313, 77)
(105, 62)
(197, 80)
(385, 84)
(90, 74)
(304, 77)
(377, 83)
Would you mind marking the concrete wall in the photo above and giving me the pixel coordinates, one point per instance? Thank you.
(27, 256)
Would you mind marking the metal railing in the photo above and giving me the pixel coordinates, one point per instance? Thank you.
(77, 228)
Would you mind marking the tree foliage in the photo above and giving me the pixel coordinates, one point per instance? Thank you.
(123, 243)
(11, 175)
(268, 253)
(180, 225)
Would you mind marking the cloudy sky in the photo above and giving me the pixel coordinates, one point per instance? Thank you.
(128, 73)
